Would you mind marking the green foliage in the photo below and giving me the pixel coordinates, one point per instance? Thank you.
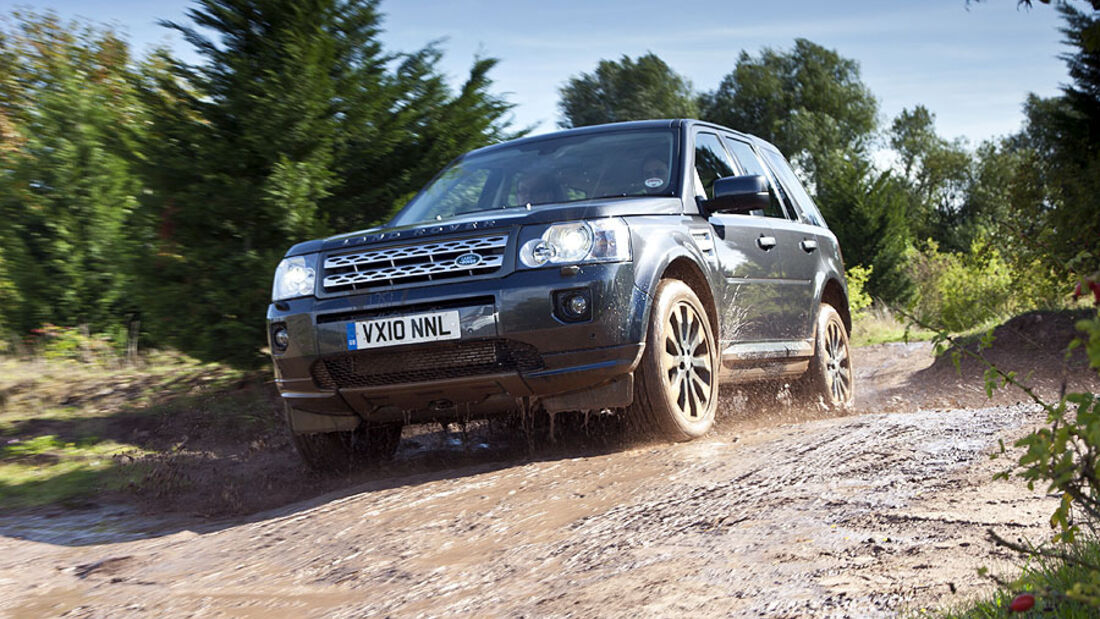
(1003, 202)
(291, 126)
(242, 150)
(626, 90)
(166, 192)
(1055, 186)
(960, 291)
(410, 127)
(76, 343)
(937, 173)
(858, 299)
(810, 102)
(1064, 456)
(9, 293)
(69, 120)
(1049, 580)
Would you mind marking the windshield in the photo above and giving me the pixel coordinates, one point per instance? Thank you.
(555, 170)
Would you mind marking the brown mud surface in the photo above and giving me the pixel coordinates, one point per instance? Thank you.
(782, 511)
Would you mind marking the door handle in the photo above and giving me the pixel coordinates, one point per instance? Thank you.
(808, 245)
(766, 242)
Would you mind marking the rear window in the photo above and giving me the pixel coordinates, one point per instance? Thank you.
(752, 165)
(794, 187)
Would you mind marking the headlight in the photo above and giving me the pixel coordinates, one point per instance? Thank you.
(597, 240)
(294, 277)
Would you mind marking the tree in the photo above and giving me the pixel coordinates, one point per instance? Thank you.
(241, 152)
(810, 102)
(938, 174)
(1090, 36)
(1062, 141)
(70, 120)
(1083, 65)
(411, 126)
(866, 210)
(626, 90)
(290, 127)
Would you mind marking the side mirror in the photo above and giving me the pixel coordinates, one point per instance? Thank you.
(739, 194)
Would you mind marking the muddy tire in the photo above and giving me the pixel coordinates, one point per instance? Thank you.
(341, 452)
(676, 383)
(829, 380)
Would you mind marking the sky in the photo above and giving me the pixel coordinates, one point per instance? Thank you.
(971, 65)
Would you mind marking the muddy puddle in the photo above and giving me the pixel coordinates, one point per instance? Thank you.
(88, 525)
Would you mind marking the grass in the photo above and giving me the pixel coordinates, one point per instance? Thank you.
(70, 429)
(878, 325)
(1050, 581)
(46, 469)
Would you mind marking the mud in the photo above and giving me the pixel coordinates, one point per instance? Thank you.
(781, 512)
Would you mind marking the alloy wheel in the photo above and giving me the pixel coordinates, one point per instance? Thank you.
(686, 361)
(838, 369)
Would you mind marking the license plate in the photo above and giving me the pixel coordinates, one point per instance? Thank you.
(398, 330)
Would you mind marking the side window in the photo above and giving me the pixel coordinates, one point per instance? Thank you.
(794, 187)
(711, 161)
(751, 164)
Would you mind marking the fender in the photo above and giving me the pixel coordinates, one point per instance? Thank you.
(656, 245)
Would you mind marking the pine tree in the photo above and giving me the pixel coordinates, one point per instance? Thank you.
(290, 127)
(866, 210)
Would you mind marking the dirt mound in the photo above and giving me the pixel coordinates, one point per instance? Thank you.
(1034, 342)
(1045, 334)
(1033, 345)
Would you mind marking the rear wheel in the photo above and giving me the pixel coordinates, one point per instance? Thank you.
(676, 384)
(340, 452)
(829, 379)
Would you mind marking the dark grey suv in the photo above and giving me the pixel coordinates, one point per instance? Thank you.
(630, 267)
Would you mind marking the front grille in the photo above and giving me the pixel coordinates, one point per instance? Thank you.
(407, 264)
(372, 368)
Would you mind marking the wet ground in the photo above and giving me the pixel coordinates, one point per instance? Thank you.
(781, 512)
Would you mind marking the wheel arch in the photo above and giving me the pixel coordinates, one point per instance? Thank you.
(687, 271)
(833, 294)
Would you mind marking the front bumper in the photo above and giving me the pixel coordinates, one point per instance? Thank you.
(515, 313)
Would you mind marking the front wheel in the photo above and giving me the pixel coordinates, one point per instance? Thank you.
(829, 379)
(676, 384)
(341, 452)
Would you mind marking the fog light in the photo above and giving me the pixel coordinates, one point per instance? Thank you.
(573, 305)
(577, 305)
(280, 338)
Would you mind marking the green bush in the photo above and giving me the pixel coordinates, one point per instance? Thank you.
(958, 291)
(858, 298)
(75, 343)
(1066, 453)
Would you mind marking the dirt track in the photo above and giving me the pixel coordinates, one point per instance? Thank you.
(864, 515)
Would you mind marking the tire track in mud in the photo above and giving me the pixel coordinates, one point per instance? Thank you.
(804, 495)
(836, 517)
